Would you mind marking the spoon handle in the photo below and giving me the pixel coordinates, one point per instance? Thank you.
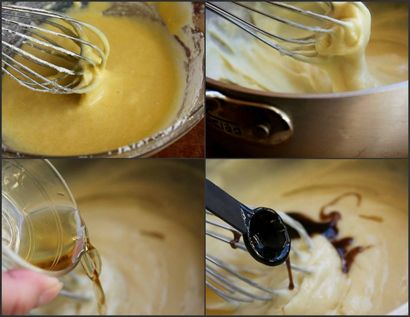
(226, 207)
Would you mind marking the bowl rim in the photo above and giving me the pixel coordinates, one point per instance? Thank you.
(230, 87)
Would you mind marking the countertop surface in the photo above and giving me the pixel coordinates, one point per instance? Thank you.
(190, 145)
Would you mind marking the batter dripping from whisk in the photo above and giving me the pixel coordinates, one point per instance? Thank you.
(370, 51)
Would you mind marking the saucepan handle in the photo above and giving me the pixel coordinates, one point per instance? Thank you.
(252, 121)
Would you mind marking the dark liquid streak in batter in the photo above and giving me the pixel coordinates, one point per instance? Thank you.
(347, 257)
(328, 227)
(372, 218)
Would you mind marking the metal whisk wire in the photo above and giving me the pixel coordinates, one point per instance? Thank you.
(228, 281)
(26, 43)
(302, 48)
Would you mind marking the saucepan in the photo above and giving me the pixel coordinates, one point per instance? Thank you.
(367, 123)
(253, 123)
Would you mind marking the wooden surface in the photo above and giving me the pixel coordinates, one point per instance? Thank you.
(190, 145)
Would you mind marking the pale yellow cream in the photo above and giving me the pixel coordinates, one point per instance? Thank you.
(138, 93)
(370, 51)
(149, 232)
(378, 278)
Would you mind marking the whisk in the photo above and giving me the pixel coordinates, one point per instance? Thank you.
(224, 279)
(301, 48)
(50, 52)
(228, 281)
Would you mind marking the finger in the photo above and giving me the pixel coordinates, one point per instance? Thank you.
(23, 290)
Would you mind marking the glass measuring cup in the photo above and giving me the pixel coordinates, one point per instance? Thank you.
(41, 226)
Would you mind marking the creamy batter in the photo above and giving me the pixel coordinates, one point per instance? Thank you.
(378, 278)
(149, 232)
(371, 51)
(139, 91)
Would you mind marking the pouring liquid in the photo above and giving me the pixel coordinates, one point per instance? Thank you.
(91, 262)
(54, 241)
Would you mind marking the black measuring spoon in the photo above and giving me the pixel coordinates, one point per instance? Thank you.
(263, 230)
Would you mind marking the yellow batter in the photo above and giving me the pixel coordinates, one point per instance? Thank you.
(371, 51)
(138, 94)
(149, 232)
(378, 278)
